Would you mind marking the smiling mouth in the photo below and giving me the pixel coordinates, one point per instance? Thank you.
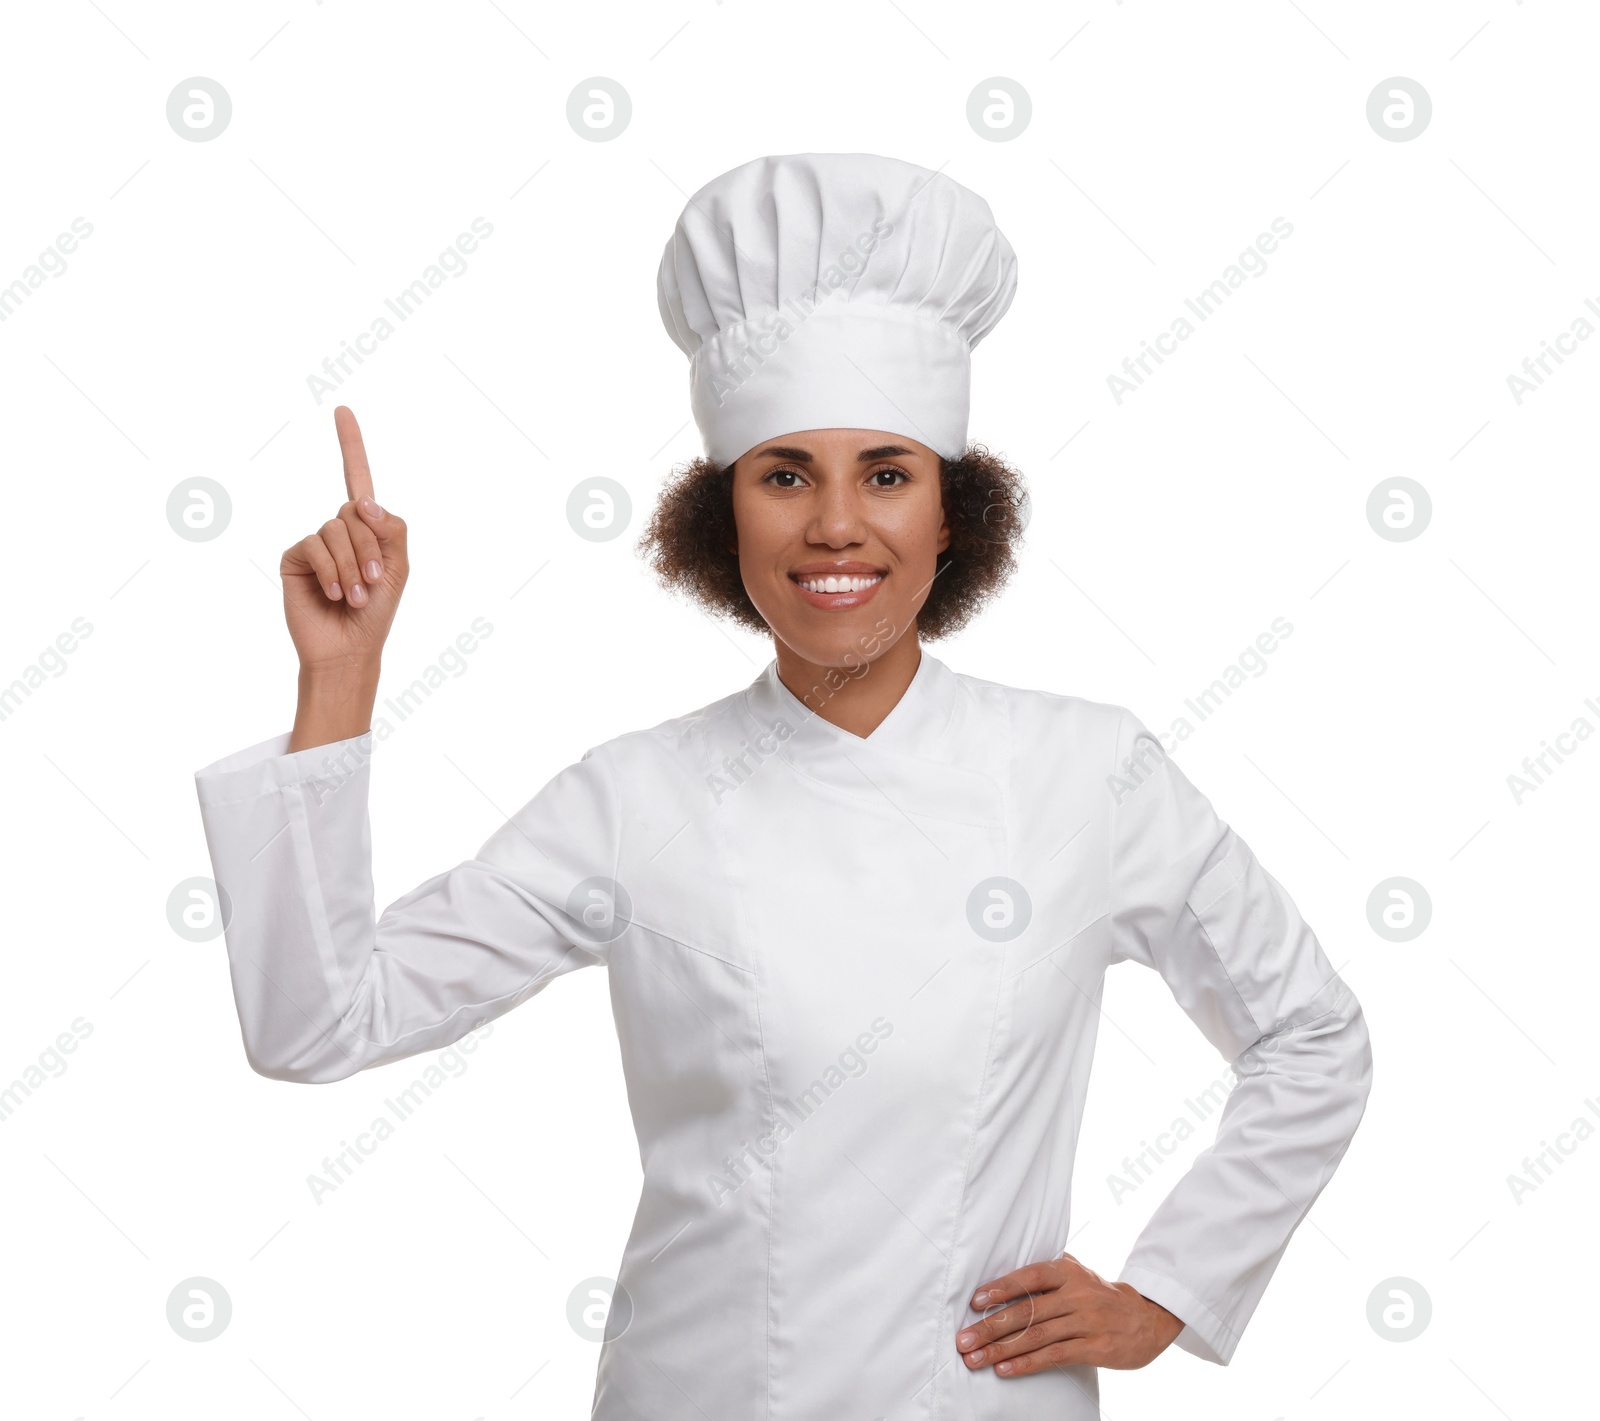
(839, 591)
(836, 582)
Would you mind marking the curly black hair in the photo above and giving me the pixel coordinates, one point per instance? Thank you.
(985, 503)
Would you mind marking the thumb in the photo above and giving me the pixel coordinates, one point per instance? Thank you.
(388, 528)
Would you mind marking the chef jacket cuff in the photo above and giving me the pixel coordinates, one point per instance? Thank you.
(1204, 1333)
(270, 765)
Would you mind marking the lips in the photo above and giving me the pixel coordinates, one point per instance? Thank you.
(838, 586)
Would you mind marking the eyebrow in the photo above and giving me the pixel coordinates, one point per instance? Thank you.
(800, 456)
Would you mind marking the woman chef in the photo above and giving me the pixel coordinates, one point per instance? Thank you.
(857, 914)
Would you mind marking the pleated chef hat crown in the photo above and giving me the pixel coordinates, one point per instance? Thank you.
(833, 291)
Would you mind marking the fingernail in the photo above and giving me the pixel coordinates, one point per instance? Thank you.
(979, 1299)
(374, 569)
(965, 1338)
(333, 590)
(975, 1357)
(1003, 1367)
(358, 593)
(370, 507)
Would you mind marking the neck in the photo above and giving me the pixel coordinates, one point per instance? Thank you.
(856, 697)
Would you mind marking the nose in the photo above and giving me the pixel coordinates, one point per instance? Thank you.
(836, 520)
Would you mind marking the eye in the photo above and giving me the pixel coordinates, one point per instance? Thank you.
(900, 476)
(775, 474)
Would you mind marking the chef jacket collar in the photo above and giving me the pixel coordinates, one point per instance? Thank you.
(917, 719)
(914, 756)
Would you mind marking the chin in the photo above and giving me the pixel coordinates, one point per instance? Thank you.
(847, 640)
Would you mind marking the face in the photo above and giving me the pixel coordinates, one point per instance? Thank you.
(838, 531)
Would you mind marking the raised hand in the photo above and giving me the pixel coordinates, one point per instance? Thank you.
(1061, 1314)
(342, 584)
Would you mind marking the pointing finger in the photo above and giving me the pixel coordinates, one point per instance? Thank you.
(357, 473)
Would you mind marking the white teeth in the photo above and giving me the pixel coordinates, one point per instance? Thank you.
(839, 584)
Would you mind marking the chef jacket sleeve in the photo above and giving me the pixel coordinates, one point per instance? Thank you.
(323, 990)
(1191, 900)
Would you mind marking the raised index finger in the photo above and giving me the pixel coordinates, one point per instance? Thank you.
(357, 474)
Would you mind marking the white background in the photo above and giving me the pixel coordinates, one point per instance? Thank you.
(1169, 531)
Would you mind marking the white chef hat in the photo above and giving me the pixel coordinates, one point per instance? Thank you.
(832, 291)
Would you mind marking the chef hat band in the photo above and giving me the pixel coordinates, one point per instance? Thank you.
(832, 291)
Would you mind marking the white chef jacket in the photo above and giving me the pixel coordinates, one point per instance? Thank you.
(856, 1066)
